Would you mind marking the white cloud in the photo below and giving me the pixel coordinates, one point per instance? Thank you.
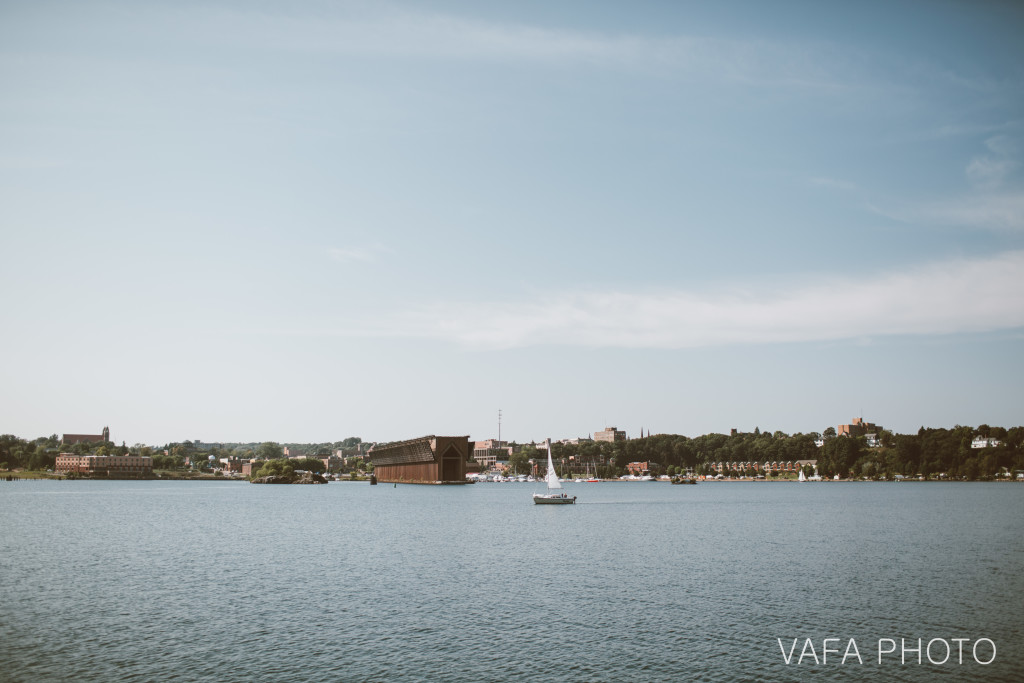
(943, 298)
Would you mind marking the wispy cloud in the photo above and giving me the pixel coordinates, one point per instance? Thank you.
(360, 254)
(390, 31)
(998, 211)
(991, 170)
(992, 198)
(942, 298)
(32, 163)
(833, 183)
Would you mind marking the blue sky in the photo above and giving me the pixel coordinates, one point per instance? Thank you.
(305, 221)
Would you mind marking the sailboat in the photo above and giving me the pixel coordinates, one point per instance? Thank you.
(803, 477)
(554, 496)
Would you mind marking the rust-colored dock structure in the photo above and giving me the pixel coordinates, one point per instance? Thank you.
(426, 460)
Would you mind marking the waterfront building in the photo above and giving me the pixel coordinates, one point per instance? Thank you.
(231, 465)
(982, 442)
(610, 434)
(426, 460)
(775, 466)
(72, 439)
(638, 469)
(113, 466)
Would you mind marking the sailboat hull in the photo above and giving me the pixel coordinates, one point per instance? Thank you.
(553, 499)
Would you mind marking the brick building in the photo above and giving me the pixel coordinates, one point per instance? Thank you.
(858, 428)
(112, 466)
(72, 439)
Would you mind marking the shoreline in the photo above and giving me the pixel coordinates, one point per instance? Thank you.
(19, 475)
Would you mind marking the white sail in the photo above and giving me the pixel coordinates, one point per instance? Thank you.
(551, 477)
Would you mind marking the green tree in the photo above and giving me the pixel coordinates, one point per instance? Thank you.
(969, 470)
(269, 450)
(280, 467)
(519, 463)
(40, 461)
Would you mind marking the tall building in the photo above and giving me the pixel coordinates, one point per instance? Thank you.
(610, 434)
(858, 428)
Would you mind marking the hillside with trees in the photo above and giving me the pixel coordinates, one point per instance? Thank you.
(930, 452)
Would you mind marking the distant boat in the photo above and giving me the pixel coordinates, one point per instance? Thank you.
(802, 476)
(552, 498)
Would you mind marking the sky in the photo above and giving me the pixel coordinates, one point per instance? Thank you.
(303, 221)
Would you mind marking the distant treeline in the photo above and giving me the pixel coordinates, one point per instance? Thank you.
(929, 452)
(41, 454)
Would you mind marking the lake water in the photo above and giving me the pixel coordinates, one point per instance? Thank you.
(195, 581)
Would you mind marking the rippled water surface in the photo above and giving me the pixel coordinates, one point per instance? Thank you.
(178, 581)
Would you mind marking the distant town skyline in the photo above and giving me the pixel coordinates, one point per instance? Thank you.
(303, 222)
(857, 427)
